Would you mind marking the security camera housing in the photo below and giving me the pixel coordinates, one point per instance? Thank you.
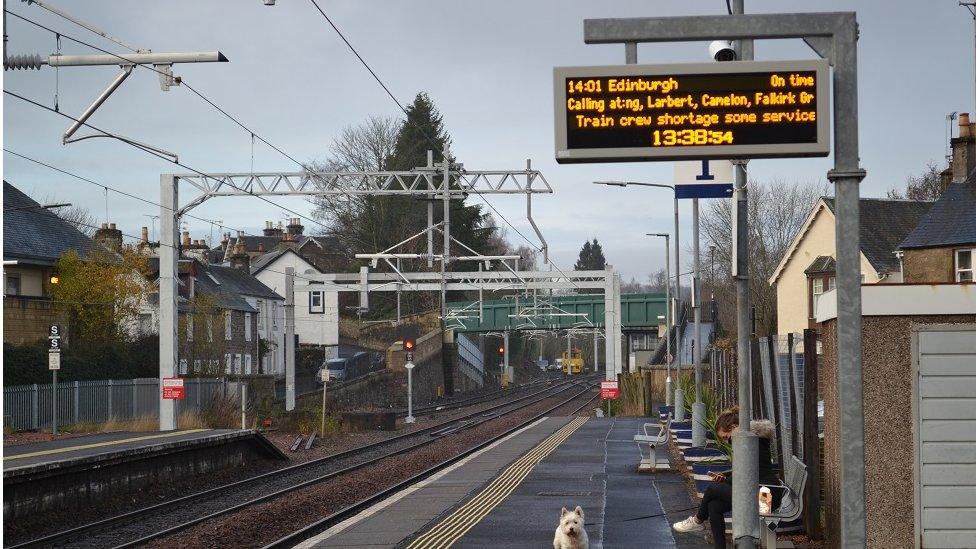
(721, 50)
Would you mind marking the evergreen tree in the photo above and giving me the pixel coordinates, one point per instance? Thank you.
(591, 257)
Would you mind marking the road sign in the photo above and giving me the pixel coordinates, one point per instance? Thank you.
(54, 360)
(324, 374)
(609, 390)
(173, 388)
(53, 331)
(737, 109)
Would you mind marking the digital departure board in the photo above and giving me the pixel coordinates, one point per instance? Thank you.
(738, 109)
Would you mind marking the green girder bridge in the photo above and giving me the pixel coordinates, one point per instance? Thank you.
(639, 312)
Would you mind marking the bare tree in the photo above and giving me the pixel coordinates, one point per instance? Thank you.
(777, 210)
(78, 216)
(929, 185)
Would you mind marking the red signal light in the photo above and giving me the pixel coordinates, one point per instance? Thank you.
(501, 349)
(409, 344)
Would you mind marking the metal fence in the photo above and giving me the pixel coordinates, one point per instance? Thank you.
(28, 407)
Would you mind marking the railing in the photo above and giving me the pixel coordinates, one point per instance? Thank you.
(28, 407)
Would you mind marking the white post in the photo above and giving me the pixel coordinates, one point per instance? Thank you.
(698, 408)
(243, 405)
(289, 338)
(325, 383)
(410, 418)
(505, 356)
(168, 293)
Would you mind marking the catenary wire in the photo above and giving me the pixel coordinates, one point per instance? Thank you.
(429, 138)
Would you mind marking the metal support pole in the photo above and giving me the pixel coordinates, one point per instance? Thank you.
(668, 318)
(698, 408)
(430, 217)
(289, 338)
(168, 292)
(54, 403)
(243, 405)
(447, 230)
(410, 418)
(505, 355)
(745, 444)
(325, 384)
(679, 394)
(596, 351)
(126, 71)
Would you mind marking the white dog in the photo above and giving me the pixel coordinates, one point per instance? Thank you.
(570, 533)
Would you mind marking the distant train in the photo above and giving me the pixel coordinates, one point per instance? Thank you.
(575, 361)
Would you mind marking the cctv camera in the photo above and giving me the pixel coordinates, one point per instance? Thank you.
(721, 50)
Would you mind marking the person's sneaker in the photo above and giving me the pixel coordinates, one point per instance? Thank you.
(688, 525)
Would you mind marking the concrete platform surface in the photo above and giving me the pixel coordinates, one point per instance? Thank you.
(510, 495)
(98, 447)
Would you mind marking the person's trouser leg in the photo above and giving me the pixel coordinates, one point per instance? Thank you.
(716, 501)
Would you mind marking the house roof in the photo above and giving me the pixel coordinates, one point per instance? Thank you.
(951, 220)
(259, 263)
(241, 282)
(224, 295)
(35, 235)
(884, 224)
(823, 264)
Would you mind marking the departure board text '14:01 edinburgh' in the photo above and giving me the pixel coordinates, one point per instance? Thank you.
(747, 109)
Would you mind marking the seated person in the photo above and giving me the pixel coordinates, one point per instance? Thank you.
(717, 499)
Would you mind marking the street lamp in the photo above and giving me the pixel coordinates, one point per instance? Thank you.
(667, 313)
(679, 395)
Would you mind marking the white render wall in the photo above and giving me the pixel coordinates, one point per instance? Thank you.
(312, 328)
(272, 328)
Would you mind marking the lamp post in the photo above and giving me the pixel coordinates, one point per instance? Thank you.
(679, 395)
(667, 314)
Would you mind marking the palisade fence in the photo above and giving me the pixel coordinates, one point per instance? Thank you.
(28, 407)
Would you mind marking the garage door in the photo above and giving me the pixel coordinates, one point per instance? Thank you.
(945, 416)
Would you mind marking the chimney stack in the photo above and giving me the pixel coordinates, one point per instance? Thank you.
(109, 237)
(295, 227)
(963, 149)
(270, 230)
(145, 235)
(186, 238)
(239, 259)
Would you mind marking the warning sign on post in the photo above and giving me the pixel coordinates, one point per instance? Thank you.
(609, 390)
(173, 388)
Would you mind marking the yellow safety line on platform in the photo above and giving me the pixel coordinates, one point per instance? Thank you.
(445, 533)
(99, 444)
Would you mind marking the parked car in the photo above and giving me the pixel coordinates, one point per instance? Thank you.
(336, 367)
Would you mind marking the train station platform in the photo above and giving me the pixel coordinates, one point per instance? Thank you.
(63, 473)
(510, 495)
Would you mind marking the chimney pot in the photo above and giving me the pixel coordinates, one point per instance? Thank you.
(111, 226)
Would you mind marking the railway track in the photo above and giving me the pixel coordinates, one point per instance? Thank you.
(143, 525)
(323, 524)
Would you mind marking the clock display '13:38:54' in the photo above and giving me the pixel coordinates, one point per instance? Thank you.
(671, 138)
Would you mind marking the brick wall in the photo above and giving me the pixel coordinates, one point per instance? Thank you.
(888, 449)
(925, 265)
(26, 319)
(202, 349)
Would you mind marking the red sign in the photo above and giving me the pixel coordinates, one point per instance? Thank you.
(173, 388)
(609, 390)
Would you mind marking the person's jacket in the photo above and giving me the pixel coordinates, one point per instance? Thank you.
(764, 430)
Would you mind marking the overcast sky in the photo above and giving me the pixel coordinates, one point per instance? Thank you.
(486, 65)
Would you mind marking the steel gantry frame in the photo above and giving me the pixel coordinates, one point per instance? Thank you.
(447, 181)
(833, 36)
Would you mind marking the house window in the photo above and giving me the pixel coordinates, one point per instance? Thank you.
(274, 314)
(13, 285)
(315, 302)
(247, 326)
(964, 265)
(818, 285)
(832, 282)
(260, 314)
(247, 364)
(228, 364)
(210, 328)
(237, 364)
(196, 367)
(189, 327)
(227, 325)
(182, 366)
